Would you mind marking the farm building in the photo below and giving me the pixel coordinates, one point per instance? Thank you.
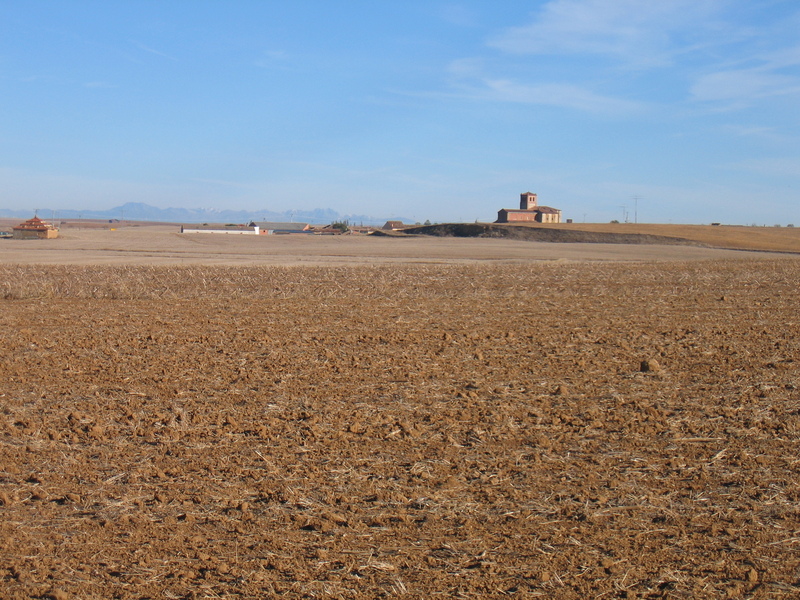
(229, 229)
(34, 229)
(529, 211)
(393, 225)
(270, 228)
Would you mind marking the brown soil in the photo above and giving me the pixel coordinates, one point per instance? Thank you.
(553, 430)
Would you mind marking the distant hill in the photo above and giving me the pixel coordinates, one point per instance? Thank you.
(138, 211)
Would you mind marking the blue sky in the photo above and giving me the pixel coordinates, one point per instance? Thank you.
(421, 109)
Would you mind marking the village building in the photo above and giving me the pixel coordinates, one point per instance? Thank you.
(271, 228)
(529, 211)
(34, 229)
(393, 225)
(225, 229)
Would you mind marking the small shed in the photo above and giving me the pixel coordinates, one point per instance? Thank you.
(34, 229)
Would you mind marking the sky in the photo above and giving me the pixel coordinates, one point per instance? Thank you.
(668, 111)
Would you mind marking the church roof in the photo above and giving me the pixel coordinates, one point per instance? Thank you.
(540, 209)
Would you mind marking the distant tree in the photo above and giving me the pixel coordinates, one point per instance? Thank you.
(343, 226)
(615, 222)
(427, 221)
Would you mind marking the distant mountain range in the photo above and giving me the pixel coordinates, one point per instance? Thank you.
(138, 211)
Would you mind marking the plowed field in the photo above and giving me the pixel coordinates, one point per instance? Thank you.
(553, 430)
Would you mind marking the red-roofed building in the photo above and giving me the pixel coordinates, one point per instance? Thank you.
(35, 229)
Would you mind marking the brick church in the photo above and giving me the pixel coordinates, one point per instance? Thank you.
(529, 211)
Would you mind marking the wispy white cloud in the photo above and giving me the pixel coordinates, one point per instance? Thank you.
(458, 15)
(631, 30)
(470, 80)
(783, 57)
(769, 134)
(715, 57)
(743, 86)
(156, 52)
(768, 74)
(557, 94)
(270, 57)
(772, 166)
(465, 68)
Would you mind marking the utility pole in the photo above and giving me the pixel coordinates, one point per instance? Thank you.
(636, 208)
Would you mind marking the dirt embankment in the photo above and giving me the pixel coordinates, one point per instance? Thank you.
(762, 239)
(539, 234)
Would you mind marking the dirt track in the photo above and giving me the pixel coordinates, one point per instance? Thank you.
(418, 431)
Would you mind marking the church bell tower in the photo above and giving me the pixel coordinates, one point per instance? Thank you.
(527, 201)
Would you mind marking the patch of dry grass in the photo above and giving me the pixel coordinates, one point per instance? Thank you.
(773, 239)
